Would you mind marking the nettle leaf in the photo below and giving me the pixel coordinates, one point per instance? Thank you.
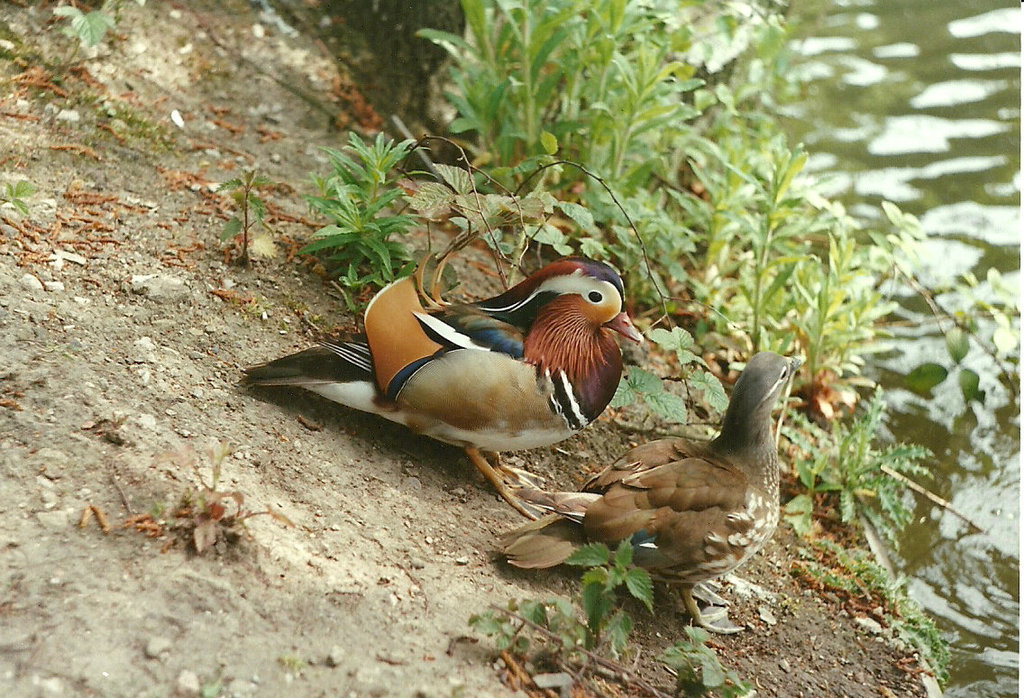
(798, 513)
(925, 377)
(618, 630)
(595, 604)
(590, 555)
(579, 215)
(678, 341)
(232, 228)
(624, 554)
(667, 405)
(456, 177)
(640, 586)
(712, 389)
(432, 200)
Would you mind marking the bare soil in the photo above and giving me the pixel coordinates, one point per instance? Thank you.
(118, 374)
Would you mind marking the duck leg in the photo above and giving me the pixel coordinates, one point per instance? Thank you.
(497, 482)
(516, 477)
(716, 621)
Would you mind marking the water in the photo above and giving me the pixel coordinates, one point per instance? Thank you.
(918, 102)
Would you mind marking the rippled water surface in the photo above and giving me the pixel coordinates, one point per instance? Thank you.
(918, 102)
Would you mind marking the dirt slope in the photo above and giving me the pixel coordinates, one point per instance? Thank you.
(122, 333)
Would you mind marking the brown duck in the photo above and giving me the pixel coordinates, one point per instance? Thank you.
(692, 511)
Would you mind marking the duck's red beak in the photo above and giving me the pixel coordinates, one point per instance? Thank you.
(624, 326)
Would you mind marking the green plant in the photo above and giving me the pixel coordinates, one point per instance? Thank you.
(640, 386)
(356, 197)
(847, 464)
(699, 672)
(855, 574)
(90, 27)
(252, 210)
(605, 623)
(14, 195)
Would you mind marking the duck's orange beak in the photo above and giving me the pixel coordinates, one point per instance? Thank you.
(624, 326)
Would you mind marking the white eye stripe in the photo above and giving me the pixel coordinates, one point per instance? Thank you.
(576, 282)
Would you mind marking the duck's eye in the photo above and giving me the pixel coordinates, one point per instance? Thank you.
(595, 297)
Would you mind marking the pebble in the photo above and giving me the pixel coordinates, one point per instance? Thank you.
(157, 646)
(53, 285)
(160, 289)
(869, 624)
(52, 686)
(335, 656)
(557, 680)
(55, 520)
(416, 563)
(462, 560)
(766, 615)
(146, 421)
(69, 115)
(31, 283)
(412, 483)
(48, 457)
(188, 683)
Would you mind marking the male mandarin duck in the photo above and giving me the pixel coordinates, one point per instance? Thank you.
(527, 368)
(692, 511)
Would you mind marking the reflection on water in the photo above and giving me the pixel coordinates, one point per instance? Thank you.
(918, 102)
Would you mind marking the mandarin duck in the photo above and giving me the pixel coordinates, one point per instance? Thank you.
(526, 368)
(692, 511)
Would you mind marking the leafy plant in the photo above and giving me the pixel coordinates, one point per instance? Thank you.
(252, 210)
(356, 197)
(14, 195)
(855, 574)
(699, 672)
(846, 464)
(91, 27)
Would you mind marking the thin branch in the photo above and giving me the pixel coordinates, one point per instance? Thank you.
(620, 672)
(931, 496)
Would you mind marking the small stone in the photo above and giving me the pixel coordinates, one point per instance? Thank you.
(188, 684)
(412, 483)
(557, 680)
(784, 665)
(161, 289)
(52, 686)
(335, 656)
(146, 421)
(31, 283)
(50, 458)
(416, 563)
(71, 116)
(55, 520)
(157, 646)
(766, 615)
(53, 285)
(869, 624)
(462, 560)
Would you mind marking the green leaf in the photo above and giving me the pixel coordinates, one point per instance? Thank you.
(798, 513)
(969, 385)
(580, 215)
(548, 142)
(957, 344)
(232, 228)
(590, 556)
(624, 554)
(89, 28)
(640, 586)
(678, 340)
(455, 177)
(617, 632)
(666, 405)
(711, 673)
(925, 377)
(712, 389)
(1005, 340)
(595, 605)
